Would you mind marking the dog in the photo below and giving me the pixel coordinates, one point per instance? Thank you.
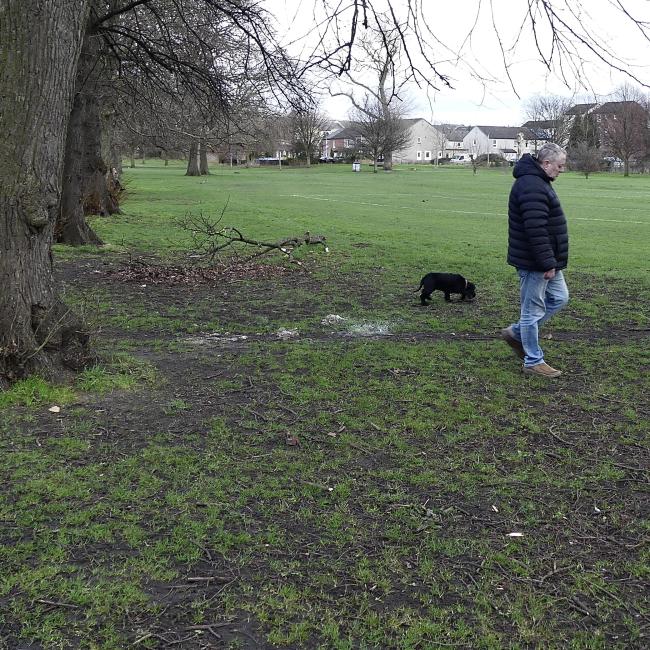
(448, 283)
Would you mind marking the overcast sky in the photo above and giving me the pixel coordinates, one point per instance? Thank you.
(495, 102)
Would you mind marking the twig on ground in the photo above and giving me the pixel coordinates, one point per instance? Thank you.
(564, 442)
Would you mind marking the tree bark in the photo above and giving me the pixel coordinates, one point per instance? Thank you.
(40, 42)
(192, 163)
(203, 159)
(71, 227)
(88, 182)
(81, 191)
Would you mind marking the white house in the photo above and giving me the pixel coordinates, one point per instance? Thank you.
(510, 142)
(454, 139)
(428, 142)
(422, 143)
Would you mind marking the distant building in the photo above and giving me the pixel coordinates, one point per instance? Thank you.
(509, 142)
(426, 142)
(340, 143)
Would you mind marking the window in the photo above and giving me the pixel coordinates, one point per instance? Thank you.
(419, 140)
(494, 143)
(427, 155)
(419, 155)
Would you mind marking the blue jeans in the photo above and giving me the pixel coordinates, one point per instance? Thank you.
(540, 299)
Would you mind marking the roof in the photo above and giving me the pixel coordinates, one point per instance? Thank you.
(541, 124)
(540, 133)
(608, 108)
(455, 132)
(349, 132)
(410, 121)
(579, 109)
(509, 132)
(335, 125)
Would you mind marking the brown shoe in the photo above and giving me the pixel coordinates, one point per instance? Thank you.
(506, 335)
(542, 370)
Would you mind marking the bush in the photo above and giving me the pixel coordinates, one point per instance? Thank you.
(496, 160)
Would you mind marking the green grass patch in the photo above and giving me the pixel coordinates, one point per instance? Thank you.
(389, 479)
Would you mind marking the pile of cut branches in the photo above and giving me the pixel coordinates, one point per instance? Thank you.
(157, 274)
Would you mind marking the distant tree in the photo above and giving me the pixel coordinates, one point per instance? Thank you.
(625, 126)
(440, 133)
(383, 51)
(585, 158)
(382, 128)
(308, 125)
(584, 129)
(551, 111)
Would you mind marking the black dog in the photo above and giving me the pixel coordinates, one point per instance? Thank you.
(447, 283)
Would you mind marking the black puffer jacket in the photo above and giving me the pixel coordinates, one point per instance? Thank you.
(538, 239)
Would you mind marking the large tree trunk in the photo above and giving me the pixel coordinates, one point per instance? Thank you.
(203, 159)
(192, 163)
(40, 41)
(88, 184)
(388, 161)
(109, 147)
(71, 227)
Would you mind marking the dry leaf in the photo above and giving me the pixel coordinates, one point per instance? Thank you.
(54, 409)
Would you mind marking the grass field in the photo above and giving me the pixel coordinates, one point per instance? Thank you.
(241, 471)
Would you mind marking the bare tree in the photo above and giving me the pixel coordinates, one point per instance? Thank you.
(382, 103)
(382, 128)
(548, 113)
(441, 132)
(308, 125)
(585, 158)
(624, 125)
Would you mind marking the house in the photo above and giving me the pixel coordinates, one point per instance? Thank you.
(332, 126)
(425, 143)
(454, 139)
(429, 142)
(621, 127)
(342, 142)
(510, 142)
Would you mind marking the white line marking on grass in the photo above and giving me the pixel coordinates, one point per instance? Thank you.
(410, 207)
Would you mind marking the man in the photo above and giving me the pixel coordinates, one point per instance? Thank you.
(538, 247)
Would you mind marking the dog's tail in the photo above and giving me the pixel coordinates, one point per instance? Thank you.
(421, 285)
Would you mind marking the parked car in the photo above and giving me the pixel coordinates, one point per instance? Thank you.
(461, 159)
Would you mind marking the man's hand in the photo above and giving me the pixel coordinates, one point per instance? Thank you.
(549, 275)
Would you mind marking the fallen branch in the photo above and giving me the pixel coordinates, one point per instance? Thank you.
(209, 240)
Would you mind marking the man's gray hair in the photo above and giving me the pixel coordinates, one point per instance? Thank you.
(550, 151)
